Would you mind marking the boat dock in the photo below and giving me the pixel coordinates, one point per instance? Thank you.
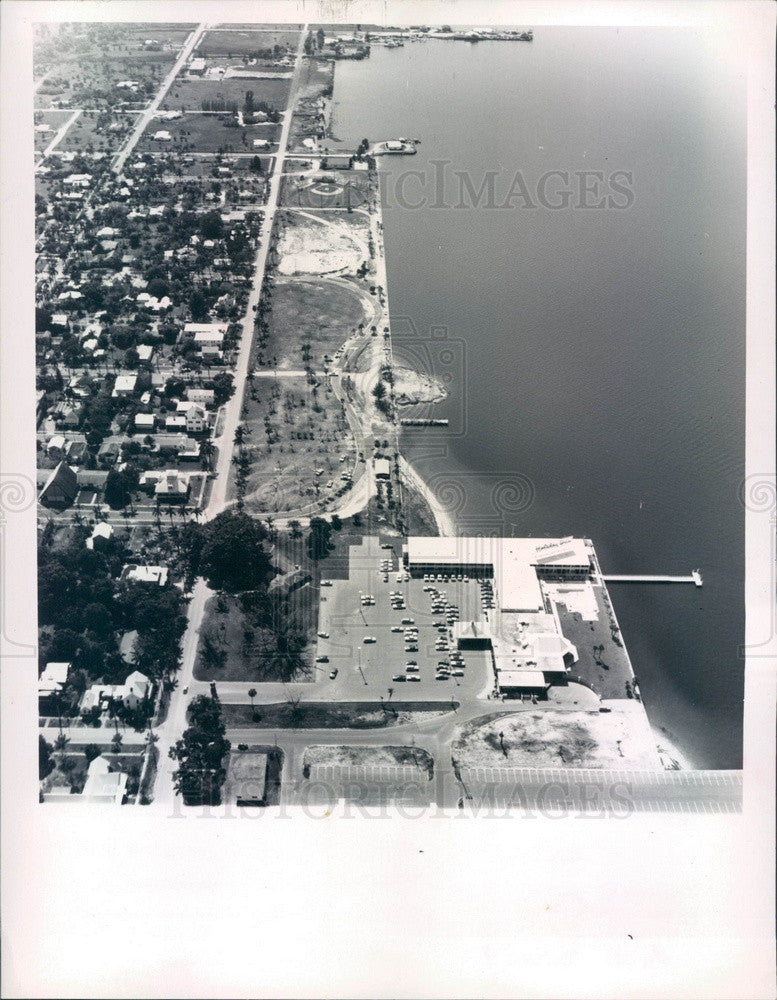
(695, 577)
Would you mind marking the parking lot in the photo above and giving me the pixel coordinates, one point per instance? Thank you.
(403, 636)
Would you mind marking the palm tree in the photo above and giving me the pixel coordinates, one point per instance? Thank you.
(252, 695)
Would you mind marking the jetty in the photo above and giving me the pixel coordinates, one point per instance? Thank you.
(424, 422)
(695, 577)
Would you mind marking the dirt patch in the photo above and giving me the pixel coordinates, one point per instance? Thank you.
(370, 757)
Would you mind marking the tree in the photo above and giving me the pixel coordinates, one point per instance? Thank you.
(45, 763)
(318, 538)
(223, 386)
(320, 38)
(256, 165)
(201, 753)
(119, 486)
(252, 695)
(198, 306)
(295, 528)
(91, 752)
(233, 556)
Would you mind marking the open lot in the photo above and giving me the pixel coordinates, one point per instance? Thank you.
(555, 739)
(300, 443)
(339, 756)
(192, 93)
(372, 666)
(319, 311)
(206, 133)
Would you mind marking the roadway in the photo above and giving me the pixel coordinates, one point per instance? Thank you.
(153, 107)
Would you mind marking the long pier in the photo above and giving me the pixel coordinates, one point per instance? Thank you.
(695, 577)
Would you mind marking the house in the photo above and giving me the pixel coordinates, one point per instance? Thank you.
(53, 679)
(145, 422)
(60, 321)
(209, 337)
(56, 447)
(124, 386)
(194, 416)
(145, 574)
(261, 144)
(68, 415)
(103, 786)
(161, 136)
(92, 478)
(146, 351)
(77, 180)
(197, 67)
(76, 452)
(175, 423)
(205, 397)
(172, 488)
(60, 489)
(101, 533)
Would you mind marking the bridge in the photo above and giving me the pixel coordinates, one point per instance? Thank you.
(695, 577)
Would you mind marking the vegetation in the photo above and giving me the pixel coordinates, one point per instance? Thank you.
(201, 754)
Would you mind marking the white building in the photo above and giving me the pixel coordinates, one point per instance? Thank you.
(101, 532)
(146, 574)
(124, 385)
(53, 679)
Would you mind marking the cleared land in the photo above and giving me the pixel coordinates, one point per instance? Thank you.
(98, 131)
(316, 311)
(299, 443)
(327, 190)
(326, 756)
(558, 739)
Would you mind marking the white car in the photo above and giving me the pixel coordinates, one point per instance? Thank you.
(369, 638)
(323, 635)
(396, 628)
(413, 677)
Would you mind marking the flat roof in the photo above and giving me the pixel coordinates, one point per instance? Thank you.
(522, 678)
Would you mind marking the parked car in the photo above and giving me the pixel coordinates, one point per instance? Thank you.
(333, 674)
(399, 677)
(322, 659)
(369, 638)
(323, 635)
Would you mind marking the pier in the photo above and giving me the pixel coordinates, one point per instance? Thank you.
(695, 577)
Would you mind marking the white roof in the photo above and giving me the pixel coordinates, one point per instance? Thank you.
(521, 678)
(144, 419)
(148, 574)
(53, 678)
(125, 383)
(209, 336)
(145, 351)
(102, 530)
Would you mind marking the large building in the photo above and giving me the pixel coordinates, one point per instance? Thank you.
(528, 650)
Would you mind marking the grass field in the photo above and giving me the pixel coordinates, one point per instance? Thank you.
(315, 311)
(55, 120)
(201, 133)
(189, 94)
(244, 42)
(295, 429)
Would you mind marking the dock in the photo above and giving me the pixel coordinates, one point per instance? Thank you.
(695, 577)
(423, 422)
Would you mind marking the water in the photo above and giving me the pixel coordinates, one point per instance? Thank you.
(598, 354)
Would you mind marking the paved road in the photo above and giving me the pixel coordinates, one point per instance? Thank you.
(151, 110)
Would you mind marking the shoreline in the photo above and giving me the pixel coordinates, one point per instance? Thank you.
(446, 526)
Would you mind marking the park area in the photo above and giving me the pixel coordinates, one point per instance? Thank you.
(553, 739)
(296, 714)
(298, 444)
(258, 637)
(328, 189)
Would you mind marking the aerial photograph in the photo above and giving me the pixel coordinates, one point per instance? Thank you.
(390, 408)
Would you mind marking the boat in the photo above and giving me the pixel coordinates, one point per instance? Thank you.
(696, 577)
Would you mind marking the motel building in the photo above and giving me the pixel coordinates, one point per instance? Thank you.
(528, 650)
